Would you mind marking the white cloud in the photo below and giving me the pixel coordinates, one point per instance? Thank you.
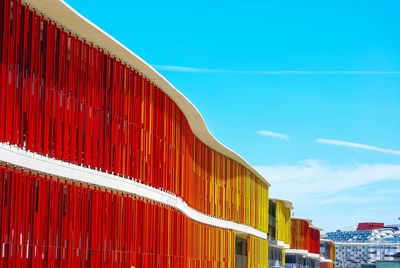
(272, 134)
(358, 146)
(346, 200)
(186, 69)
(314, 177)
(329, 194)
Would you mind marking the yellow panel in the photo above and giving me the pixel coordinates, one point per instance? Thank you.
(283, 222)
(257, 252)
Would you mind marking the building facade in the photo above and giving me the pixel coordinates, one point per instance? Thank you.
(103, 163)
(279, 231)
(366, 246)
(328, 253)
(305, 245)
(100, 166)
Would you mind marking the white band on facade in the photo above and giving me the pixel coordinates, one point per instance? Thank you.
(297, 251)
(19, 157)
(277, 244)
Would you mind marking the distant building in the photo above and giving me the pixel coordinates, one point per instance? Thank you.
(362, 247)
(370, 226)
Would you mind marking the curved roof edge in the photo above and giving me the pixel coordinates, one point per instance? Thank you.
(287, 203)
(65, 16)
(309, 223)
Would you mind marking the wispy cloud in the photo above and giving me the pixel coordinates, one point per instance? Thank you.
(186, 69)
(358, 146)
(272, 134)
(333, 194)
(318, 177)
(361, 200)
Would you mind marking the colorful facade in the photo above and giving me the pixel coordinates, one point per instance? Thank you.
(103, 163)
(328, 253)
(366, 247)
(305, 245)
(279, 231)
(49, 221)
(68, 101)
(283, 221)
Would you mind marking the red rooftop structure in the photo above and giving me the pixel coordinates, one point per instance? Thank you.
(370, 226)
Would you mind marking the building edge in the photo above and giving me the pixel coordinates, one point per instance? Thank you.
(68, 18)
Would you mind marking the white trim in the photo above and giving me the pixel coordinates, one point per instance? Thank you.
(309, 221)
(313, 256)
(16, 156)
(276, 244)
(287, 203)
(322, 259)
(71, 20)
(302, 252)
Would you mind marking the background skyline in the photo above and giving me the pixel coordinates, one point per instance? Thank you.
(308, 93)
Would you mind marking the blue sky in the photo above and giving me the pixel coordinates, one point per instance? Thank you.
(324, 75)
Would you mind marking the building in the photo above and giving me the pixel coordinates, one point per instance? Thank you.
(279, 231)
(328, 253)
(367, 246)
(370, 226)
(104, 163)
(305, 245)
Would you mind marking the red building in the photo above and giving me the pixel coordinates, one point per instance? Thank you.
(305, 244)
(370, 225)
(104, 163)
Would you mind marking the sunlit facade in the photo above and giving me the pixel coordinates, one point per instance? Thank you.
(367, 245)
(279, 231)
(328, 253)
(69, 103)
(305, 245)
(103, 163)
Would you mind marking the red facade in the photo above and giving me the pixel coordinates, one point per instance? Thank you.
(66, 99)
(370, 225)
(305, 237)
(314, 246)
(327, 265)
(47, 221)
